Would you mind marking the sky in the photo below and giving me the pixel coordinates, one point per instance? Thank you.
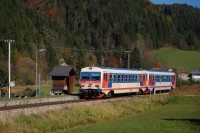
(194, 3)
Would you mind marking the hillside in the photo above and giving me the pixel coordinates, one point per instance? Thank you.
(179, 59)
(92, 32)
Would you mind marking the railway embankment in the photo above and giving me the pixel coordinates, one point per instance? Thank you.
(6, 103)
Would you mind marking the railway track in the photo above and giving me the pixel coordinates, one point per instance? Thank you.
(60, 102)
(38, 105)
(28, 109)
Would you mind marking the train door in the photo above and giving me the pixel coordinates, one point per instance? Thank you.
(105, 80)
(174, 80)
(144, 79)
(150, 80)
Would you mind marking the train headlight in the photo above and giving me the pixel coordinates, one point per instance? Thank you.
(81, 85)
(97, 86)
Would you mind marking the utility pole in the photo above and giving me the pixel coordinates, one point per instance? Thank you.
(36, 72)
(9, 41)
(128, 58)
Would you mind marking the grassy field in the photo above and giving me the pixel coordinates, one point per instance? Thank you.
(77, 116)
(159, 113)
(179, 59)
(179, 115)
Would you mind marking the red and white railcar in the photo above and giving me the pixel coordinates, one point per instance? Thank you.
(97, 82)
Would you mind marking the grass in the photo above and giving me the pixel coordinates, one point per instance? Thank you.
(180, 115)
(130, 125)
(66, 119)
(179, 59)
(158, 113)
(187, 90)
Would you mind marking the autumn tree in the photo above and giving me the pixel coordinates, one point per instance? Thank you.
(3, 79)
(25, 69)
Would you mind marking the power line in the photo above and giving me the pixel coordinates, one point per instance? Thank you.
(75, 49)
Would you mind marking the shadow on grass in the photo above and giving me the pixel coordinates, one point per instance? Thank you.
(192, 121)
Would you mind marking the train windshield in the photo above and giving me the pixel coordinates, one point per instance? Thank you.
(90, 76)
(85, 76)
(95, 76)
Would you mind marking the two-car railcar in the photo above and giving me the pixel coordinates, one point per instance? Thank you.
(97, 82)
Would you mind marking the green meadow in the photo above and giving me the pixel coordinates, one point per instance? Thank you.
(179, 59)
(179, 115)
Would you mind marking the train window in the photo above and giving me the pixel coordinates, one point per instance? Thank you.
(85, 76)
(137, 78)
(111, 77)
(95, 76)
(123, 77)
(130, 78)
(118, 78)
(154, 78)
(158, 78)
(126, 78)
(114, 78)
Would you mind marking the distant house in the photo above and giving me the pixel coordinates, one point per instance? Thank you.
(183, 75)
(63, 79)
(194, 75)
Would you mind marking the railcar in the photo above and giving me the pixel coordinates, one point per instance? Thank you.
(98, 82)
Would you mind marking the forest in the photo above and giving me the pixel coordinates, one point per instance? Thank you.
(91, 32)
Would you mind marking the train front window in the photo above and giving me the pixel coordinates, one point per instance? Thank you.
(85, 76)
(95, 76)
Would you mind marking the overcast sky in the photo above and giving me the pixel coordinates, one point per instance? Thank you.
(194, 3)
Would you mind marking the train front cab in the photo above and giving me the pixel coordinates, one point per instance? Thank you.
(90, 84)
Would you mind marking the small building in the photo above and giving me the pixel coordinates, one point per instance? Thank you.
(195, 75)
(63, 79)
(183, 75)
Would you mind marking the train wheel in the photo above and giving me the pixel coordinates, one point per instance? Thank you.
(152, 91)
(81, 96)
(140, 92)
(110, 94)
